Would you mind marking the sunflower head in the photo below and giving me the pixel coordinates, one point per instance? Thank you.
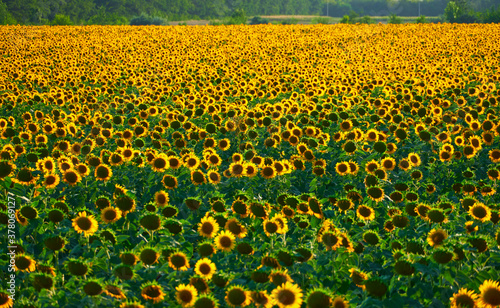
(237, 296)
(152, 291)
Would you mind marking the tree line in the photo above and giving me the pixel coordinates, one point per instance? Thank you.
(41, 12)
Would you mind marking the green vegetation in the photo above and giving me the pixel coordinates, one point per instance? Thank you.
(157, 12)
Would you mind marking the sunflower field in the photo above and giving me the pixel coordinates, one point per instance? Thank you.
(250, 166)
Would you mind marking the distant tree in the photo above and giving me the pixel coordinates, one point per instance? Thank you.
(6, 17)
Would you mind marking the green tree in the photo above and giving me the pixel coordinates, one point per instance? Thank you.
(6, 17)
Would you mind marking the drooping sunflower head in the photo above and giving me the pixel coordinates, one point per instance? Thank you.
(237, 296)
(152, 291)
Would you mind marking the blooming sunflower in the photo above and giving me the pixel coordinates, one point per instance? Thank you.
(490, 294)
(161, 198)
(208, 227)
(205, 268)
(71, 177)
(480, 212)
(152, 291)
(342, 168)
(225, 241)
(287, 295)
(186, 295)
(51, 181)
(464, 299)
(268, 172)
(365, 212)
(414, 159)
(85, 224)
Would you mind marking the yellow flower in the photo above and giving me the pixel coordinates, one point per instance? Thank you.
(287, 295)
(205, 268)
(85, 224)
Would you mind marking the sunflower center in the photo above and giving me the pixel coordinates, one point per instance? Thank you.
(225, 241)
(84, 223)
(178, 261)
(186, 296)
(160, 163)
(286, 297)
(465, 300)
(102, 172)
(237, 169)
(271, 227)
(207, 228)
(364, 211)
(152, 292)
(236, 297)
(71, 177)
(268, 171)
(50, 180)
(479, 212)
(492, 297)
(205, 269)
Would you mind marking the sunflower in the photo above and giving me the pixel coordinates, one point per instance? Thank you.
(152, 291)
(24, 263)
(268, 172)
(213, 177)
(198, 177)
(261, 299)
(25, 176)
(161, 198)
(224, 144)
(464, 299)
(178, 261)
(114, 291)
(233, 226)
(494, 155)
(160, 163)
(318, 298)
(270, 227)
(169, 181)
(375, 193)
(103, 172)
(205, 268)
(388, 163)
(85, 224)
(225, 241)
(342, 168)
(71, 177)
(436, 237)
(237, 169)
(365, 212)
(237, 296)
(51, 181)
(287, 295)
(414, 159)
(480, 212)
(339, 302)
(205, 301)
(358, 277)
(186, 295)
(208, 227)
(371, 166)
(490, 294)
(47, 165)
